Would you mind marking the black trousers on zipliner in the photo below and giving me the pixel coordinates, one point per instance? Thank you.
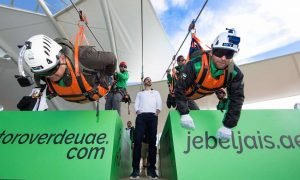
(145, 123)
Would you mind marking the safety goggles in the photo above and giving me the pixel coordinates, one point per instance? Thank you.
(123, 66)
(223, 52)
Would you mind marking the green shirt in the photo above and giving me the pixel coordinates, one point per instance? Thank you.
(122, 78)
(61, 83)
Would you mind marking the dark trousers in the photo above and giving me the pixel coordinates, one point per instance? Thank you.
(192, 105)
(113, 101)
(146, 123)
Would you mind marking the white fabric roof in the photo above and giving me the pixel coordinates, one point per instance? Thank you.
(115, 23)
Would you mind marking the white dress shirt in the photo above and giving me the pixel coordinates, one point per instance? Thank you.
(147, 101)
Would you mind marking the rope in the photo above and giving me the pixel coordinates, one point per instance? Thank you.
(142, 29)
(85, 22)
(193, 22)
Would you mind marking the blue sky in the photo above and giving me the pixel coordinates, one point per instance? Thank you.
(267, 28)
(31, 5)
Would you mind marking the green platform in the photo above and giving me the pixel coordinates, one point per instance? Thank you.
(43, 145)
(266, 145)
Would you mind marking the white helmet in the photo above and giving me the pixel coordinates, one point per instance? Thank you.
(227, 40)
(41, 54)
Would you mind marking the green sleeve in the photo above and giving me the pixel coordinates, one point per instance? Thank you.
(219, 106)
(123, 76)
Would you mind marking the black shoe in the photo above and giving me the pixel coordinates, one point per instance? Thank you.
(173, 102)
(169, 104)
(169, 101)
(135, 174)
(152, 174)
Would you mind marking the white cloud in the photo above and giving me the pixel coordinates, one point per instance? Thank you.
(262, 24)
(160, 6)
(180, 3)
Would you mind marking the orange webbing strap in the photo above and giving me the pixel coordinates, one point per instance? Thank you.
(204, 66)
(193, 45)
(78, 41)
(199, 42)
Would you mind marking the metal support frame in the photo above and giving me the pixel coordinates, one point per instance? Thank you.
(109, 25)
(53, 20)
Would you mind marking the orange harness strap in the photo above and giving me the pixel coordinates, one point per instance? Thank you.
(78, 41)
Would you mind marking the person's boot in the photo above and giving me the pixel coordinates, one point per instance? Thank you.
(111, 68)
(109, 62)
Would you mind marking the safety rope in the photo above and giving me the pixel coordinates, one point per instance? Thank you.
(189, 30)
(83, 19)
(142, 30)
(79, 38)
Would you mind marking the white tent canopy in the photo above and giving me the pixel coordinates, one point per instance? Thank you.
(116, 24)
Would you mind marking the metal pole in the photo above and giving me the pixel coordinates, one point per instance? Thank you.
(109, 25)
(54, 22)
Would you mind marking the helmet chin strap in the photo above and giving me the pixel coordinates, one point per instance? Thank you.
(22, 79)
(20, 62)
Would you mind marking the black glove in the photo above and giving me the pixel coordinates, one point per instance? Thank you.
(27, 103)
(115, 76)
(171, 102)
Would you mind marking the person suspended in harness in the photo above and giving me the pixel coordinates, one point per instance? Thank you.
(208, 71)
(223, 101)
(172, 78)
(54, 62)
(118, 92)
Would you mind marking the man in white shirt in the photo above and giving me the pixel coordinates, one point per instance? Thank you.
(147, 107)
